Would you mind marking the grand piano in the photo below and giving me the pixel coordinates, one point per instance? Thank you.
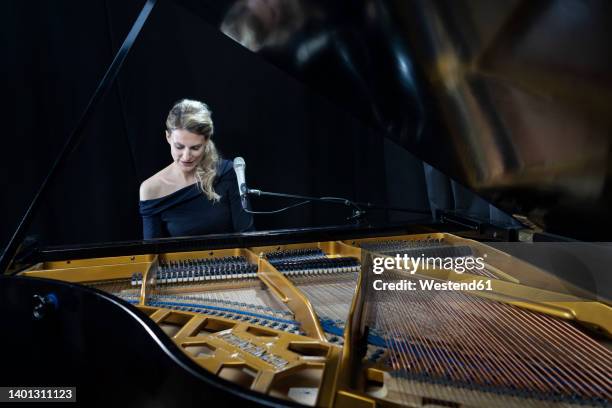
(292, 317)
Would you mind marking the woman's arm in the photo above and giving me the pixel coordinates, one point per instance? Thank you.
(152, 227)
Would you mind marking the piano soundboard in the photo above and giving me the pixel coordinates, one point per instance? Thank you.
(301, 322)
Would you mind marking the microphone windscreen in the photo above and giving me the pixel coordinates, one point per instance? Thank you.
(239, 162)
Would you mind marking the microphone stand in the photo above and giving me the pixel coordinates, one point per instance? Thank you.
(358, 208)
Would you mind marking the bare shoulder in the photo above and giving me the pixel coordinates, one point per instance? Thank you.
(149, 189)
(153, 187)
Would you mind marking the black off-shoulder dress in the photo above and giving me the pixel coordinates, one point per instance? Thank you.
(189, 212)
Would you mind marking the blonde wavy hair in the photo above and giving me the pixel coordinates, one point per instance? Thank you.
(195, 117)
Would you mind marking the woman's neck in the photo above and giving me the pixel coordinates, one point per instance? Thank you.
(181, 176)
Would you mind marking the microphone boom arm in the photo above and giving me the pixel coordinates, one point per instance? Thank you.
(358, 211)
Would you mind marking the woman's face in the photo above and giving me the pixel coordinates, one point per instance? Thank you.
(268, 11)
(187, 148)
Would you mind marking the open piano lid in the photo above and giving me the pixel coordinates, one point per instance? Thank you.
(511, 99)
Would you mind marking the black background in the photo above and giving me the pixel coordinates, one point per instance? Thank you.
(292, 139)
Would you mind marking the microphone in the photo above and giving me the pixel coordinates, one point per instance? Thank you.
(239, 167)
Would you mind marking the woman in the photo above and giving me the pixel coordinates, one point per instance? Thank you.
(197, 193)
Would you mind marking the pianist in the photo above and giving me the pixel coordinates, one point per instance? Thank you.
(197, 193)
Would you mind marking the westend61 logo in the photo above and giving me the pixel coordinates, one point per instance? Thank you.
(413, 264)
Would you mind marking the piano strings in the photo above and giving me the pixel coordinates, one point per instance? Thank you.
(226, 287)
(462, 342)
(328, 282)
(125, 288)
